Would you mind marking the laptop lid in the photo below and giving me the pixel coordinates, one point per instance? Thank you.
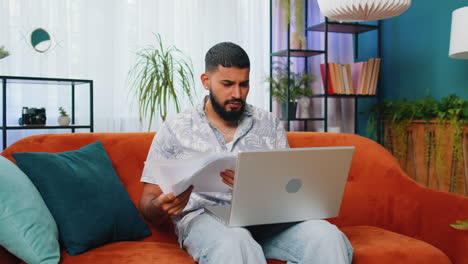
(288, 185)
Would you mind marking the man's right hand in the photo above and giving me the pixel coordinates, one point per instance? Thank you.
(171, 205)
(156, 206)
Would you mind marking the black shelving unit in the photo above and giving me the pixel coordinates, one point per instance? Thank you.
(71, 84)
(326, 27)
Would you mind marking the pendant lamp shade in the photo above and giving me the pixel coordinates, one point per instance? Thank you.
(362, 10)
(459, 34)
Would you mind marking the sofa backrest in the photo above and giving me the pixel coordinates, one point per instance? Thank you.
(366, 183)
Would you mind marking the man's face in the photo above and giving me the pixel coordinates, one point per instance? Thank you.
(228, 88)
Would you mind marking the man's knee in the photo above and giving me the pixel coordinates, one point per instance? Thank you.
(328, 238)
(238, 246)
(316, 227)
(236, 238)
(321, 230)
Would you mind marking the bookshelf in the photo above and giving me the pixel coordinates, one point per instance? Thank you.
(326, 27)
(72, 85)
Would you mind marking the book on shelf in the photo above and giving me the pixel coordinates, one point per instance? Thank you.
(357, 78)
(367, 80)
(345, 79)
(350, 79)
(362, 78)
(339, 77)
(322, 70)
(336, 88)
(375, 73)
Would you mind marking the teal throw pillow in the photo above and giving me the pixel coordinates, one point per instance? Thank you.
(85, 196)
(27, 229)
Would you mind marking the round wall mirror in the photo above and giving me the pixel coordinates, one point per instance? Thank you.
(40, 40)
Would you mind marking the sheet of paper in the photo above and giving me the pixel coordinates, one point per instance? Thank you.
(202, 172)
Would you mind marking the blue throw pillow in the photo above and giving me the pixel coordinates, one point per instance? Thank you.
(27, 228)
(85, 196)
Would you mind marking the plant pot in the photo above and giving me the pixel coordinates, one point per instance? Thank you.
(64, 120)
(292, 110)
(298, 41)
(431, 153)
(304, 107)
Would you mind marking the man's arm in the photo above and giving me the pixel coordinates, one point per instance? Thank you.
(157, 206)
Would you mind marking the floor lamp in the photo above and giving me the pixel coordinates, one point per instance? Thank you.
(459, 34)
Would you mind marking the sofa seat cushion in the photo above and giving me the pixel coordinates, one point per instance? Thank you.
(376, 245)
(371, 245)
(131, 253)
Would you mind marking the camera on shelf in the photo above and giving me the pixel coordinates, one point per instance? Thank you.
(33, 116)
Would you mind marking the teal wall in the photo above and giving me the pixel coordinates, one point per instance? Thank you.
(415, 53)
(415, 59)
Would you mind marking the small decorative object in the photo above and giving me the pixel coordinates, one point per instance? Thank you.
(64, 118)
(3, 53)
(334, 129)
(40, 40)
(304, 104)
(459, 34)
(362, 10)
(33, 116)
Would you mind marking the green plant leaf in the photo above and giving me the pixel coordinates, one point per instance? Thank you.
(460, 224)
(298, 83)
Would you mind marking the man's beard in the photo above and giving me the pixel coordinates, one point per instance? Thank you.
(233, 115)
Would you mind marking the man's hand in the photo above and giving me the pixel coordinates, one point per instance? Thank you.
(170, 205)
(228, 177)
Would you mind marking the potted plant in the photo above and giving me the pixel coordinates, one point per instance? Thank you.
(161, 77)
(298, 87)
(64, 118)
(426, 136)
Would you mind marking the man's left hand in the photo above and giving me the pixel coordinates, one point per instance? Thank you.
(228, 177)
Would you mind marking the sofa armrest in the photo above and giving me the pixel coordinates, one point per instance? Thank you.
(379, 193)
(401, 205)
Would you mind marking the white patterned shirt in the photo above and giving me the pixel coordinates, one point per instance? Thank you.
(191, 133)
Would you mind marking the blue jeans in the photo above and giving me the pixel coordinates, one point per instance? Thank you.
(313, 241)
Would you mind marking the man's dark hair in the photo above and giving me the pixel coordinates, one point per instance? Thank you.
(226, 54)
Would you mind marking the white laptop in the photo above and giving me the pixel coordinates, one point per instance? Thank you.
(286, 185)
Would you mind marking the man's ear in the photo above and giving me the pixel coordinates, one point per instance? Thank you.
(205, 79)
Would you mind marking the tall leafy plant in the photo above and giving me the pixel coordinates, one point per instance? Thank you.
(298, 14)
(161, 76)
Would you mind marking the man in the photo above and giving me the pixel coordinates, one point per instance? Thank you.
(225, 122)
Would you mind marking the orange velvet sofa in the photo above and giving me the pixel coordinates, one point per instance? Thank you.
(387, 216)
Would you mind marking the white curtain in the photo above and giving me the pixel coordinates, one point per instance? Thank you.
(98, 40)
